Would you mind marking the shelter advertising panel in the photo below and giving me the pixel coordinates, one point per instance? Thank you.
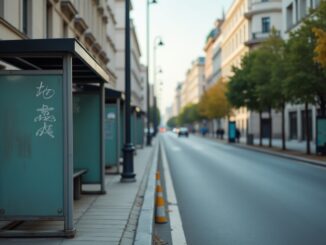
(31, 146)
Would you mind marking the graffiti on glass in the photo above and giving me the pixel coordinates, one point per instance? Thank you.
(45, 116)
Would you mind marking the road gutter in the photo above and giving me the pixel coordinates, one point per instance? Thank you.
(177, 233)
(270, 152)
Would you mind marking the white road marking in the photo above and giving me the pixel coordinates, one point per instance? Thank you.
(177, 233)
(175, 148)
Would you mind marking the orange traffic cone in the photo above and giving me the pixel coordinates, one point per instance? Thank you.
(160, 215)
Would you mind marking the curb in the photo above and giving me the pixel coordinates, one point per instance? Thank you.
(144, 232)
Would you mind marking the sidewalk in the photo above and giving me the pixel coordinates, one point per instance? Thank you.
(102, 219)
(294, 145)
(294, 149)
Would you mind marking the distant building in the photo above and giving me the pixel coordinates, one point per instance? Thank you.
(213, 59)
(137, 86)
(177, 99)
(143, 80)
(194, 84)
(168, 113)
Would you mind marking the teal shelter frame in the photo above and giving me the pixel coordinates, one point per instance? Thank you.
(89, 144)
(59, 64)
(122, 128)
(113, 128)
(140, 129)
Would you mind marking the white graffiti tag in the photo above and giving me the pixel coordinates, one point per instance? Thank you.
(44, 91)
(46, 129)
(45, 114)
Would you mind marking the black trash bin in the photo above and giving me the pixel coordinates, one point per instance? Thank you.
(250, 139)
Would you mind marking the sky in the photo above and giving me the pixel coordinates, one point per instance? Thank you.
(183, 26)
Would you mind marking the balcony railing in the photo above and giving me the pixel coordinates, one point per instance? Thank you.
(258, 37)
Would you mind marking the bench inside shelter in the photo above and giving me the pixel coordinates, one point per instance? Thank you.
(78, 173)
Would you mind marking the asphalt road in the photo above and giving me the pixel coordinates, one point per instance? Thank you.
(232, 196)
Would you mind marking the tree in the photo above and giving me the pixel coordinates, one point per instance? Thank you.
(189, 114)
(306, 80)
(320, 49)
(268, 76)
(276, 46)
(214, 104)
(172, 122)
(155, 112)
(242, 87)
(320, 34)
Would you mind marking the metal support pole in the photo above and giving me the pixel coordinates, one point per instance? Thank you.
(102, 138)
(128, 174)
(118, 121)
(155, 119)
(69, 228)
(148, 138)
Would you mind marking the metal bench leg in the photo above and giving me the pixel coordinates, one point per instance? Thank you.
(77, 187)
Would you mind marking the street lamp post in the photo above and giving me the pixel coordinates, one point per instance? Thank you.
(149, 137)
(157, 43)
(128, 174)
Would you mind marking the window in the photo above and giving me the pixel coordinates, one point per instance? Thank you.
(2, 8)
(65, 29)
(303, 8)
(49, 20)
(296, 11)
(289, 16)
(266, 22)
(293, 125)
(25, 16)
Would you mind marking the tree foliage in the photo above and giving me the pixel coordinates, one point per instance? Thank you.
(155, 112)
(189, 114)
(172, 122)
(241, 87)
(213, 103)
(320, 49)
(306, 80)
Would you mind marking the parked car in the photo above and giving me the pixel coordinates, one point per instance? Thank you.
(183, 132)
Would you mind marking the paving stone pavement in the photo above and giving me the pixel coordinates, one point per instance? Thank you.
(100, 219)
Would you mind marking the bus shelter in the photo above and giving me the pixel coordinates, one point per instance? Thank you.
(37, 130)
(88, 135)
(113, 127)
(140, 121)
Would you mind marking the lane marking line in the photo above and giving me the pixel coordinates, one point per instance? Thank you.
(177, 233)
(175, 148)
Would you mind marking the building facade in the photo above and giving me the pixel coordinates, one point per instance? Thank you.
(247, 24)
(137, 85)
(87, 21)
